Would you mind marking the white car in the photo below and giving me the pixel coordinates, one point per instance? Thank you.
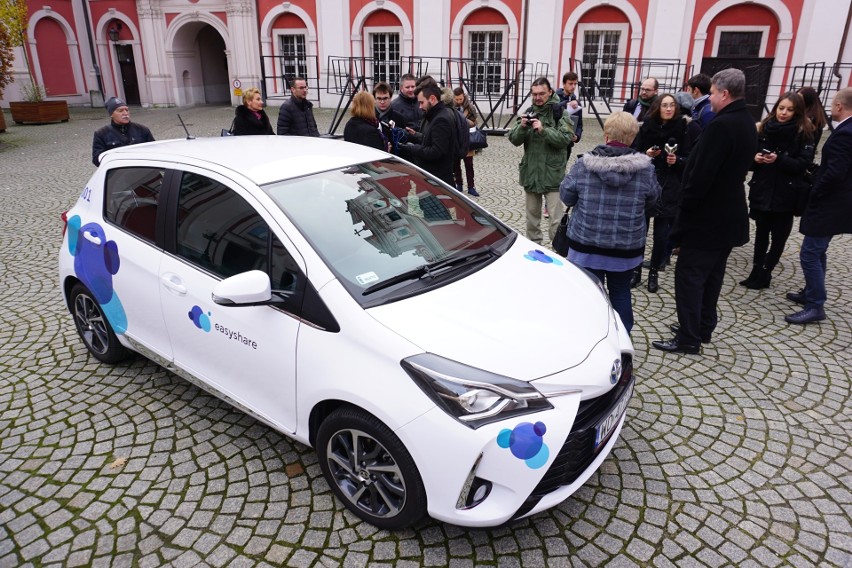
(439, 363)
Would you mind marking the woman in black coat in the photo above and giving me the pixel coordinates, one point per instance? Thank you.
(363, 128)
(785, 150)
(663, 137)
(249, 117)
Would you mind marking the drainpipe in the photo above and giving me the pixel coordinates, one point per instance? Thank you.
(836, 71)
(92, 47)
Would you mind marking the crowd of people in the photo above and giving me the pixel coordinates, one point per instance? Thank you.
(678, 161)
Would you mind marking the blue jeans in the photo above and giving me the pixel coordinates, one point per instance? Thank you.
(813, 260)
(618, 288)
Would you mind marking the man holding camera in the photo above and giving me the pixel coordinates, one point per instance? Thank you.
(545, 134)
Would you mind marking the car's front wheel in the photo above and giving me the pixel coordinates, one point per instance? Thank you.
(94, 328)
(369, 469)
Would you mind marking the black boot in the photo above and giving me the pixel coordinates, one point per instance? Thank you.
(637, 276)
(653, 283)
(752, 277)
(760, 281)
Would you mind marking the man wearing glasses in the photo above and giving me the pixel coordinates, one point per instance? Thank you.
(647, 93)
(386, 115)
(296, 117)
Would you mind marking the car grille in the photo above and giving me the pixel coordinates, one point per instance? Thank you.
(579, 451)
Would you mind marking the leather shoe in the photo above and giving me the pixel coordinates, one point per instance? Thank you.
(675, 327)
(798, 297)
(674, 346)
(809, 315)
(653, 281)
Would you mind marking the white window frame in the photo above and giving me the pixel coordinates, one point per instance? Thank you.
(368, 44)
(473, 28)
(280, 83)
(623, 28)
(764, 37)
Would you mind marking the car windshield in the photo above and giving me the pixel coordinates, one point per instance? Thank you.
(388, 230)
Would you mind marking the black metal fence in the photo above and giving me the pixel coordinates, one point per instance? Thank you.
(278, 70)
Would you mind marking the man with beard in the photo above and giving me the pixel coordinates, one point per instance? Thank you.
(434, 148)
(647, 93)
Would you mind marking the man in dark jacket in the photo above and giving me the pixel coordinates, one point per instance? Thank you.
(296, 117)
(568, 101)
(434, 149)
(828, 213)
(698, 87)
(713, 216)
(119, 132)
(640, 105)
(406, 102)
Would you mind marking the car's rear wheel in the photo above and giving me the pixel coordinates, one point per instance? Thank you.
(94, 328)
(369, 469)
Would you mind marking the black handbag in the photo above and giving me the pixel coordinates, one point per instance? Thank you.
(803, 189)
(478, 140)
(560, 239)
(229, 131)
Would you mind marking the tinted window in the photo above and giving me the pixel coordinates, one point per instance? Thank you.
(132, 196)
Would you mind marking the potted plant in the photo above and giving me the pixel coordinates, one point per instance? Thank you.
(34, 109)
(6, 57)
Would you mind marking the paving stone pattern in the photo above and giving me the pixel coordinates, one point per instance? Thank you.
(739, 457)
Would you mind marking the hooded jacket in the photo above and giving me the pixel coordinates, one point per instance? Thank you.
(612, 188)
(296, 118)
(543, 165)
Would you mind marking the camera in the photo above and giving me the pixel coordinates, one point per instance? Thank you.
(530, 115)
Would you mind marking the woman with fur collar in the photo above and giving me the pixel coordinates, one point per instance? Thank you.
(612, 188)
(249, 117)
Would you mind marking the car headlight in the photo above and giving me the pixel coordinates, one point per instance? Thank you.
(472, 396)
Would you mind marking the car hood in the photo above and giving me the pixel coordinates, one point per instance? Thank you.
(526, 315)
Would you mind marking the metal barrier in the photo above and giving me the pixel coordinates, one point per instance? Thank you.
(277, 71)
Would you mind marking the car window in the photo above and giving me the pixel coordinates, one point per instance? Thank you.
(132, 197)
(373, 221)
(219, 231)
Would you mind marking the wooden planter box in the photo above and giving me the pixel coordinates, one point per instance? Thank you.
(39, 113)
(2, 121)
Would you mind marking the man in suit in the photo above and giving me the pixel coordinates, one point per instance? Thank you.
(713, 216)
(647, 93)
(829, 211)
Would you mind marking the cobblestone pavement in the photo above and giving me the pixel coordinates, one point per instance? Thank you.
(740, 457)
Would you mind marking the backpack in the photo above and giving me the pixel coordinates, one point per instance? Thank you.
(462, 134)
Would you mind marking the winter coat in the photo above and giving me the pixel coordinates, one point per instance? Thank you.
(366, 133)
(774, 187)
(469, 112)
(296, 118)
(543, 165)
(247, 123)
(409, 108)
(612, 189)
(713, 214)
(113, 136)
(829, 210)
(434, 149)
(670, 177)
(576, 116)
(637, 109)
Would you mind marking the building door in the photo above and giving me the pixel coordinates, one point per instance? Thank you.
(385, 53)
(741, 50)
(600, 59)
(127, 68)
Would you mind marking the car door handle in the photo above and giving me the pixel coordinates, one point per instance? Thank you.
(92, 237)
(173, 283)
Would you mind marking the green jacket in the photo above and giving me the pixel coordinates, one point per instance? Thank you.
(546, 153)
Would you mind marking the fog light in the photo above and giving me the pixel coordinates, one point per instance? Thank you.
(479, 490)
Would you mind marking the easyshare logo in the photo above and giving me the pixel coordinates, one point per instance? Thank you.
(199, 318)
(541, 256)
(526, 442)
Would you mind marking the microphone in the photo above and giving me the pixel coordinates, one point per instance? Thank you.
(671, 146)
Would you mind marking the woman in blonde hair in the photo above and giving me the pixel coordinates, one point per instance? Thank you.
(363, 128)
(249, 117)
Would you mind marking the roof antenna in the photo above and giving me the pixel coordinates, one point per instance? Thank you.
(185, 129)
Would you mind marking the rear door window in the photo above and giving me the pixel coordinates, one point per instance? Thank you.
(132, 198)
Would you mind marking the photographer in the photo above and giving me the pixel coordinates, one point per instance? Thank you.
(544, 133)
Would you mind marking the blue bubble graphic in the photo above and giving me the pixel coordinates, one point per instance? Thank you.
(197, 316)
(526, 443)
(541, 256)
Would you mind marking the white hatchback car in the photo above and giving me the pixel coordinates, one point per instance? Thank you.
(438, 362)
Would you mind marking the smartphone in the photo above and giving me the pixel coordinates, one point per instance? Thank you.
(655, 148)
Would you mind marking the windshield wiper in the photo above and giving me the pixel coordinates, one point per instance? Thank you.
(432, 268)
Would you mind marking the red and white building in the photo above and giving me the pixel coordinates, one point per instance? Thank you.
(184, 52)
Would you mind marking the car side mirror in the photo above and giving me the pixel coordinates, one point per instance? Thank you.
(250, 288)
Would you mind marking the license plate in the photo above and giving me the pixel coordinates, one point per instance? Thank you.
(607, 425)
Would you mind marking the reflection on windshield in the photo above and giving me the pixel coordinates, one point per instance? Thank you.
(375, 220)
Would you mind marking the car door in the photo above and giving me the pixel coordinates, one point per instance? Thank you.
(247, 353)
(132, 205)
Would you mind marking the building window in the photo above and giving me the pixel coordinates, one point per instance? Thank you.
(739, 44)
(485, 49)
(384, 49)
(600, 59)
(292, 60)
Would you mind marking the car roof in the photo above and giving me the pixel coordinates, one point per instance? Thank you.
(262, 159)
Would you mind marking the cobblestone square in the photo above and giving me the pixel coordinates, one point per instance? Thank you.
(739, 457)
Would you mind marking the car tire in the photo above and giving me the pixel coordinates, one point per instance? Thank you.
(385, 488)
(94, 328)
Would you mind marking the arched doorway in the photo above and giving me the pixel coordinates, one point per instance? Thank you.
(201, 61)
